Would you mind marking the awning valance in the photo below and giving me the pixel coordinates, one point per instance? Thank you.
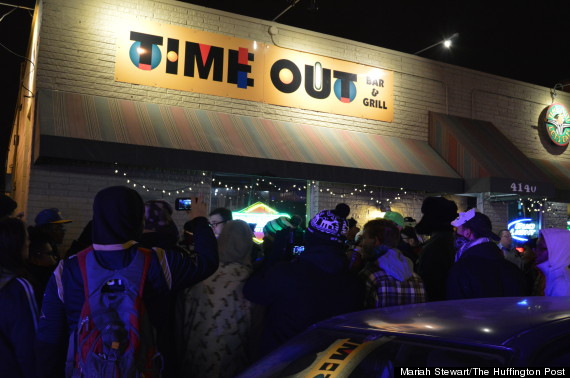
(107, 129)
(486, 159)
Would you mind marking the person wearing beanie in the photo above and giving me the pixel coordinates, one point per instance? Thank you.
(273, 226)
(312, 287)
(438, 253)
(481, 270)
(117, 227)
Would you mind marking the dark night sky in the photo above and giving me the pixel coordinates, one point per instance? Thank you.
(522, 40)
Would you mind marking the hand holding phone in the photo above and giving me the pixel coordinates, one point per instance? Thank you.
(199, 208)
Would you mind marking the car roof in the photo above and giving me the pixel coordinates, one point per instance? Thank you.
(490, 321)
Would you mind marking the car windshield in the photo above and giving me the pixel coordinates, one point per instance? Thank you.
(321, 352)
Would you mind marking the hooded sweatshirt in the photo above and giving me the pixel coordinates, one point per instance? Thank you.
(556, 268)
(118, 214)
(390, 280)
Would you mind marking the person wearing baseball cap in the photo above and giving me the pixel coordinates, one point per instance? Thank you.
(49, 224)
(480, 269)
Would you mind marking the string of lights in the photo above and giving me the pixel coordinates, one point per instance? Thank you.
(536, 205)
(219, 186)
(371, 193)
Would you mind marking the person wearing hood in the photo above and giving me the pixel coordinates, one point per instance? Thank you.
(388, 274)
(480, 270)
(118, 221)
(312, 287)
(216, 316)
(553, 260)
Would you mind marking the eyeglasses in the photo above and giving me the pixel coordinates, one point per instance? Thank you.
(215, 224)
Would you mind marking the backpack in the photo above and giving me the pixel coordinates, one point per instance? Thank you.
(114, 337)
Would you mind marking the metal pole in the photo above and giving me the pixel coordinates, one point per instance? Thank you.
(286, 9)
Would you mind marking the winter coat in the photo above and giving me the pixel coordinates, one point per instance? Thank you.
(18, 322)
(482, 272)
(301, 292)
(556, 268)
(436, 258)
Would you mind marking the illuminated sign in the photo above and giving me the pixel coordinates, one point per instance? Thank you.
(258, 213)
(523, 229)
(558, 124)
(175, 57)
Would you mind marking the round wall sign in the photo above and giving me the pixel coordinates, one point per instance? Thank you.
(558, 124)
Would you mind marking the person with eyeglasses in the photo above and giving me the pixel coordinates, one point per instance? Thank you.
(218, 217)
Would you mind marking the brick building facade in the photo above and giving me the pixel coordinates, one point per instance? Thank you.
(74, 49)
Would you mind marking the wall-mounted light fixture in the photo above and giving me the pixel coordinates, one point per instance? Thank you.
(558, 86)
(446, 42)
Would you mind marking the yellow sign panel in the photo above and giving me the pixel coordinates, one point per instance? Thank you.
(179, 58)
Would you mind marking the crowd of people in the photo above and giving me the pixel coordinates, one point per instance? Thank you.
(215, 301)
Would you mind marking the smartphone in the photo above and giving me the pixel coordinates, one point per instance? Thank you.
(183, 204)
(298, 249)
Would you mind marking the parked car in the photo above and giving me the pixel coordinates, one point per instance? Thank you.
(485, 332)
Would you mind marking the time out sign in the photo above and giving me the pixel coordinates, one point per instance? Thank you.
(179, 58)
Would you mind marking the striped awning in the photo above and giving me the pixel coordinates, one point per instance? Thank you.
(559, 173)
(485, 158)
(108, 129)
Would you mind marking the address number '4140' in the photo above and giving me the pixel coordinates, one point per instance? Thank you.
(519, 187)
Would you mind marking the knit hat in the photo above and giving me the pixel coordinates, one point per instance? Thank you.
(438, 213)
(7, 205)
(328, 225)
(277, 224)
(395, 217)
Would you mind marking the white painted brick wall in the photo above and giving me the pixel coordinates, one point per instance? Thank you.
(77, 54)
(71, 189)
